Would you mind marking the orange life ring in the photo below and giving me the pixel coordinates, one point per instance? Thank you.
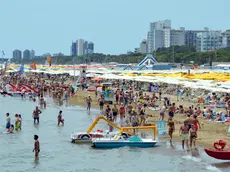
(219, 144)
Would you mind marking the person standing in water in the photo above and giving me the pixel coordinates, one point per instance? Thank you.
(16, 122)
(7, 121)
(20, 122)
(184, 134)
(60, 120)
(36, 149)
(88, 100)
(192, 137)
(36, 114)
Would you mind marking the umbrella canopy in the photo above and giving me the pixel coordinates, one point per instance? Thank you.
(92, 89)
(96, 79)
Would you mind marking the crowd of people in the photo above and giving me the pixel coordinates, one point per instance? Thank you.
(44, 86)
(129, 106)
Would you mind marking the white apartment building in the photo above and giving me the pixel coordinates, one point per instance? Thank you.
(163, 24)
(161, 35)
(155, 38)
(208, 41)
(80, 47)
(177, 37)
(226, 39)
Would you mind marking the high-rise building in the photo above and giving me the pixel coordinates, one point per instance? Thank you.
(90, 48)
(26, 54)
(86, 47)
(17, 54)
(161, 35)
(163, 24)
(80, 47)
(177, 37)
(74, 49)
(208, 40)
(143, 47)
(32, 54)
(226, 39)
(156, 38)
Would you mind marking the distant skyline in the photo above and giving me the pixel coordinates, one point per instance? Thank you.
(115, 27)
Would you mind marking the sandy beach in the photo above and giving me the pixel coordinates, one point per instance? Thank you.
(209, 131)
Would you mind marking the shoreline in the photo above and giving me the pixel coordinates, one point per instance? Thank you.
(209, 132)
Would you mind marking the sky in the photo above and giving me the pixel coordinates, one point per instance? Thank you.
(115, 26)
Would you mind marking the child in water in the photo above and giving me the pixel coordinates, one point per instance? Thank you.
(11, 129)
(60, 120)
(36, 149)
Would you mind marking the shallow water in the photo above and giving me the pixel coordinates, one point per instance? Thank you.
(59, 155)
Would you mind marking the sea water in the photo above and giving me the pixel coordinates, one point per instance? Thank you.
(60, 155)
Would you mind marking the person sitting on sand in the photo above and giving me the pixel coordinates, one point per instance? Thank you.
(209, 115)
(217, 118)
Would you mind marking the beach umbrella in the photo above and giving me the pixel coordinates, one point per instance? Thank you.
(96, 79)
(91, 89)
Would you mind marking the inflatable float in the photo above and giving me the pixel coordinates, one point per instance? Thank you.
(28, 88)
(218, 152)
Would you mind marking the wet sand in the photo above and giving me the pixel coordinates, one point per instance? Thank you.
(209, 131)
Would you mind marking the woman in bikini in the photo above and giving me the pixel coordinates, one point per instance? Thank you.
(115, 112)
(122, 113)
(196, 123)
(142, 115)
(192, 136)
(171, 128)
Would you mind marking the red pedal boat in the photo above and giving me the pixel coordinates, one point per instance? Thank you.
(218, 151)
(218, 154)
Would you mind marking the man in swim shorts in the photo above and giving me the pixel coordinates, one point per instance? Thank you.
(36, 149)
(172, 110)
(36, 114)
(7, 121)
(184, 134)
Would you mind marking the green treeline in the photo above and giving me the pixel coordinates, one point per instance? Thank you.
(182, 54)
